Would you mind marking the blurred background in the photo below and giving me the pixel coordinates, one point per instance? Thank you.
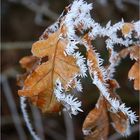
(23, 21)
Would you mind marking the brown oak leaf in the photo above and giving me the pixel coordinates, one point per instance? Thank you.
(134, 73)
(39, 85)
(127, 27)
(96, 125)
(134, 52)
(29, 63)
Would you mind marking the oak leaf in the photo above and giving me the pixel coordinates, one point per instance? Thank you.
(134, 52)
(39, 85)
(29, 63)
(134, 73)
(96, 124)
(127, 28)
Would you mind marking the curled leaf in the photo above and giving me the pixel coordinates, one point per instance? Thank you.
(29, 62)
(134, 74)
(134, 52)
(96, 125)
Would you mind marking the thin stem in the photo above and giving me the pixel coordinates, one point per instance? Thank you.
(69, 126)
(16, 45)
(26, 118)
(12, 106)
(38, 122)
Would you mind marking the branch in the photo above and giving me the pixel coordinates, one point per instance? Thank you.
(12, 106)
(69, 126)
(38, 122)
(39, 9)
(16, 45)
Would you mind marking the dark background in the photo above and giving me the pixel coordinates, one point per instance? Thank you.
(23, 24)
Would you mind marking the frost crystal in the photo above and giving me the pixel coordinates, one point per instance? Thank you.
(71, 104)
(26, 118)
(78, 85)
(81, 63)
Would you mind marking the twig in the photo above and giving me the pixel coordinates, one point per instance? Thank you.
(38, 122)
(69, 126)
(26, 118)
(39, 9)
(16, 45)
(133, 2)
(117, 136)
(11, 72)
(7, 120)
(120, 3)
(12, 106)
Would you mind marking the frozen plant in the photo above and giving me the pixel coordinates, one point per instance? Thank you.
(57, 66)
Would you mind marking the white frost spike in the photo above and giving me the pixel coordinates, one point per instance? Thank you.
(71, 47)
(78, 85)
(81, 63)
(108, 25)
(71, 104)
(26, 118)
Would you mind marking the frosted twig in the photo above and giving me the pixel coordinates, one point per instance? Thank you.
(26, 118)
(39, 9)
(12, 106)
(16, 45)
(120, 3)
(69, 126)
(38, 122)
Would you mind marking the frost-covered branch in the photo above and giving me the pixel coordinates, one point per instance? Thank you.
(26, 118)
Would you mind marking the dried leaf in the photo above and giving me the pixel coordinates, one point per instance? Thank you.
(119, 120)
(96, 125)
(39, 85)
(127, 28)
(135, 52)
(29, 62)
(134, 74)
